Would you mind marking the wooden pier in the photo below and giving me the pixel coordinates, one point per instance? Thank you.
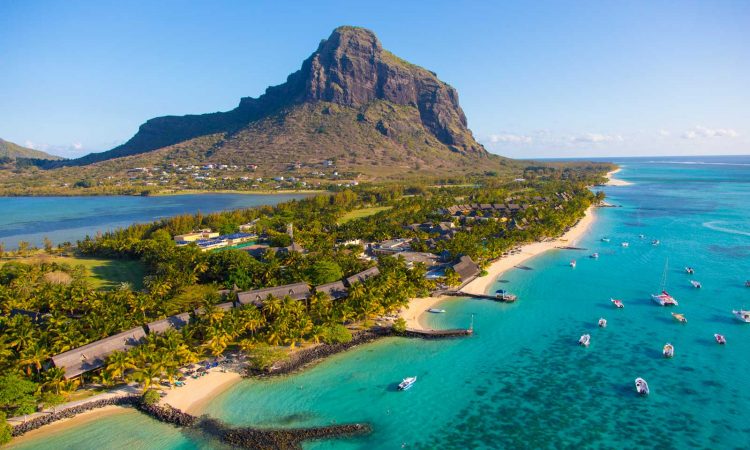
(437, 334)
(507, 298)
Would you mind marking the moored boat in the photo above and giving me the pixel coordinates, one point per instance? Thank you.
(602, 323)
(505, 296)
(679, 317)
(625, 244)
(689, 270)
(747, 283)
(668, 350)
(641, 386)
(573, 263)
(617, 303)
(606, 239)
(436, 311)
(594, 256)
(664, 299)
(585, 340)
(655, 242)
(742, 314)
(407, 383)
(696, 284)
(720, 339)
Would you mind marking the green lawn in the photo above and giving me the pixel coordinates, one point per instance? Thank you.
(101, 273)
(363, 212)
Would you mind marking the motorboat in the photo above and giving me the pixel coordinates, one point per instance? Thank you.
(625, 244)
(407, 383)
(505, 296)
(664, 299)
(668, 350)
(573, 263)
(689, 270)
(594, 256)
(696, 284)
(655, 242)
(642, 236)
(585, 340)
(602, 323)
(617, 303)
(606, 239)
(747, 283)
(679, 317)
(436, 311)
(720, 339)
(742, 314)
(641, 386)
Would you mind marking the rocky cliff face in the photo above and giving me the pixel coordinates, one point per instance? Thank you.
(350, 69)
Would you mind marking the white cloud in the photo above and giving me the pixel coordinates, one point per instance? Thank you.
(510, 138)
(665, 133)
(596, 138)
(77, 145)
(704, 132)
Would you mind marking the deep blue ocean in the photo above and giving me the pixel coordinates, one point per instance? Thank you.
(69, 219)
(522, 381)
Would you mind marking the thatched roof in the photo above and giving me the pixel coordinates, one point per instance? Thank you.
(466, 268)
(297, 291)
(222, 306)
(91, 356)
(335, 290)
(160, 326)
(362, 276)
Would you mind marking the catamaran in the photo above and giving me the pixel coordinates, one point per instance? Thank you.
(641, 386)
(617, 303)
(625, 244)
(668, 350)
(664, 299)
(696, 284)
(602, 323)
(585, 340)
(407, 383)
(720, 339)
(742, 314)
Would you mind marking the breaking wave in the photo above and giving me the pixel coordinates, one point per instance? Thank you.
(713, 226)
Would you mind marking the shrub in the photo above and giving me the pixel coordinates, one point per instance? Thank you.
(337, 334)
(150, 397)
(399, 325)
(6, 431)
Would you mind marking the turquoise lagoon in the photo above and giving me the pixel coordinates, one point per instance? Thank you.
(63, 219)
(522, 380)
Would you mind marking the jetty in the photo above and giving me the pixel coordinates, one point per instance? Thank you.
(505, 297)
(437, 334)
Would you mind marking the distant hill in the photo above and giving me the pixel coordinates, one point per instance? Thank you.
(15, 151)
(351, 101)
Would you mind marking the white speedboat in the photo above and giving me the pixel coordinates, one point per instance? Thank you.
(642, 236)
(602, 323)
(606, 239)
(617, 303)
(436, 311)
(655, 242)
(641, 386)
(689, 270)
(594, 256)
(585, 340)
(625, 244)
(747, 283)
(720, 339)
(696, 284)
(668, 350)
(742, 314)
(407, 383)
(573, 263)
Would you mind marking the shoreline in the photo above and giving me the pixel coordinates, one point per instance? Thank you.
(416, 312)
(196, 394)
(612, 181)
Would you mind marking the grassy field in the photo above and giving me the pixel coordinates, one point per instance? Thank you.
(101, 273)
(363, 212)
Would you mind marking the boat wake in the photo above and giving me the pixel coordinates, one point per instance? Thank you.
(713, 226)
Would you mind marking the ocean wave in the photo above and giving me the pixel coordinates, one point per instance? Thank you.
(701, 163)
(712, 226)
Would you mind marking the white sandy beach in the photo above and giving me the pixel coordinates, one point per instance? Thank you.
(194, 396)
(418, 306)
(60, 425)
(614, 181)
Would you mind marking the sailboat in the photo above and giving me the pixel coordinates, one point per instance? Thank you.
(664, 299)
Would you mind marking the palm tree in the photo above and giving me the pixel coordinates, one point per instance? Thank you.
(33, 357)
(54, 379)
(118, 363)
(147, 374)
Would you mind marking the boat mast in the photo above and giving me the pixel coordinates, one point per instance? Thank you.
(664, 275)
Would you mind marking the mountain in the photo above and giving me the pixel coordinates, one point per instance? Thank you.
(351, 101)
(15, 151)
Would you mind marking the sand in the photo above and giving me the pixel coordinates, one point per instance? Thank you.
(79, 419)
(614, 181)
(196, 394)
(415, 313)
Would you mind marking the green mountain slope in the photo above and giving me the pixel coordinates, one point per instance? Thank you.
(15, 151)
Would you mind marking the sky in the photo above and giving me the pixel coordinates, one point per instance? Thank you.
(535, 79)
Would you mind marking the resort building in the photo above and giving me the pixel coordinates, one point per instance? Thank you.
(229, 240)
(411, 258)
(222, 306)
(335, 290)
(92, 356)
(195, 235)
(392, 246)
(172, 322)
(297, 291)
(466, 269)
(362, 276)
